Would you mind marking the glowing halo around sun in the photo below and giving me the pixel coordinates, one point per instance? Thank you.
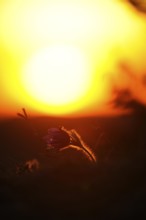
(61, 57)
(57, 76)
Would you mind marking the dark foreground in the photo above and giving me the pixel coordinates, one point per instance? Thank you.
(66, 185)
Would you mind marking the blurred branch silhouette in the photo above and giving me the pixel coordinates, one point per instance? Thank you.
(139, 5)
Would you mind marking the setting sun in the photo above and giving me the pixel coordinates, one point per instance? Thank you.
(57, 75)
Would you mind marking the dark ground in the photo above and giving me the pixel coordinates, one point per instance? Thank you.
(67, 185)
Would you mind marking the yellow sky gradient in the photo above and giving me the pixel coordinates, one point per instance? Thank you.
(106, 33)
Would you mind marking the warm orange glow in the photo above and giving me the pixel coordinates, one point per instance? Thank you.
(61, 57)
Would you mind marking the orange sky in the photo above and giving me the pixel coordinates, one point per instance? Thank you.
(103, 42)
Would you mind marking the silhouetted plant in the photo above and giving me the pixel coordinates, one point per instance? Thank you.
(61, 139)
(29, 166)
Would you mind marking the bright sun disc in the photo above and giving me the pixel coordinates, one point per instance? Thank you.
(57, 75)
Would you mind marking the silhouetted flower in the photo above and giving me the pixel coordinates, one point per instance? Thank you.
(56, 138)
(61, 139)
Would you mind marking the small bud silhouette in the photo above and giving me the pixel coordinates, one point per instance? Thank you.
(56, 138)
